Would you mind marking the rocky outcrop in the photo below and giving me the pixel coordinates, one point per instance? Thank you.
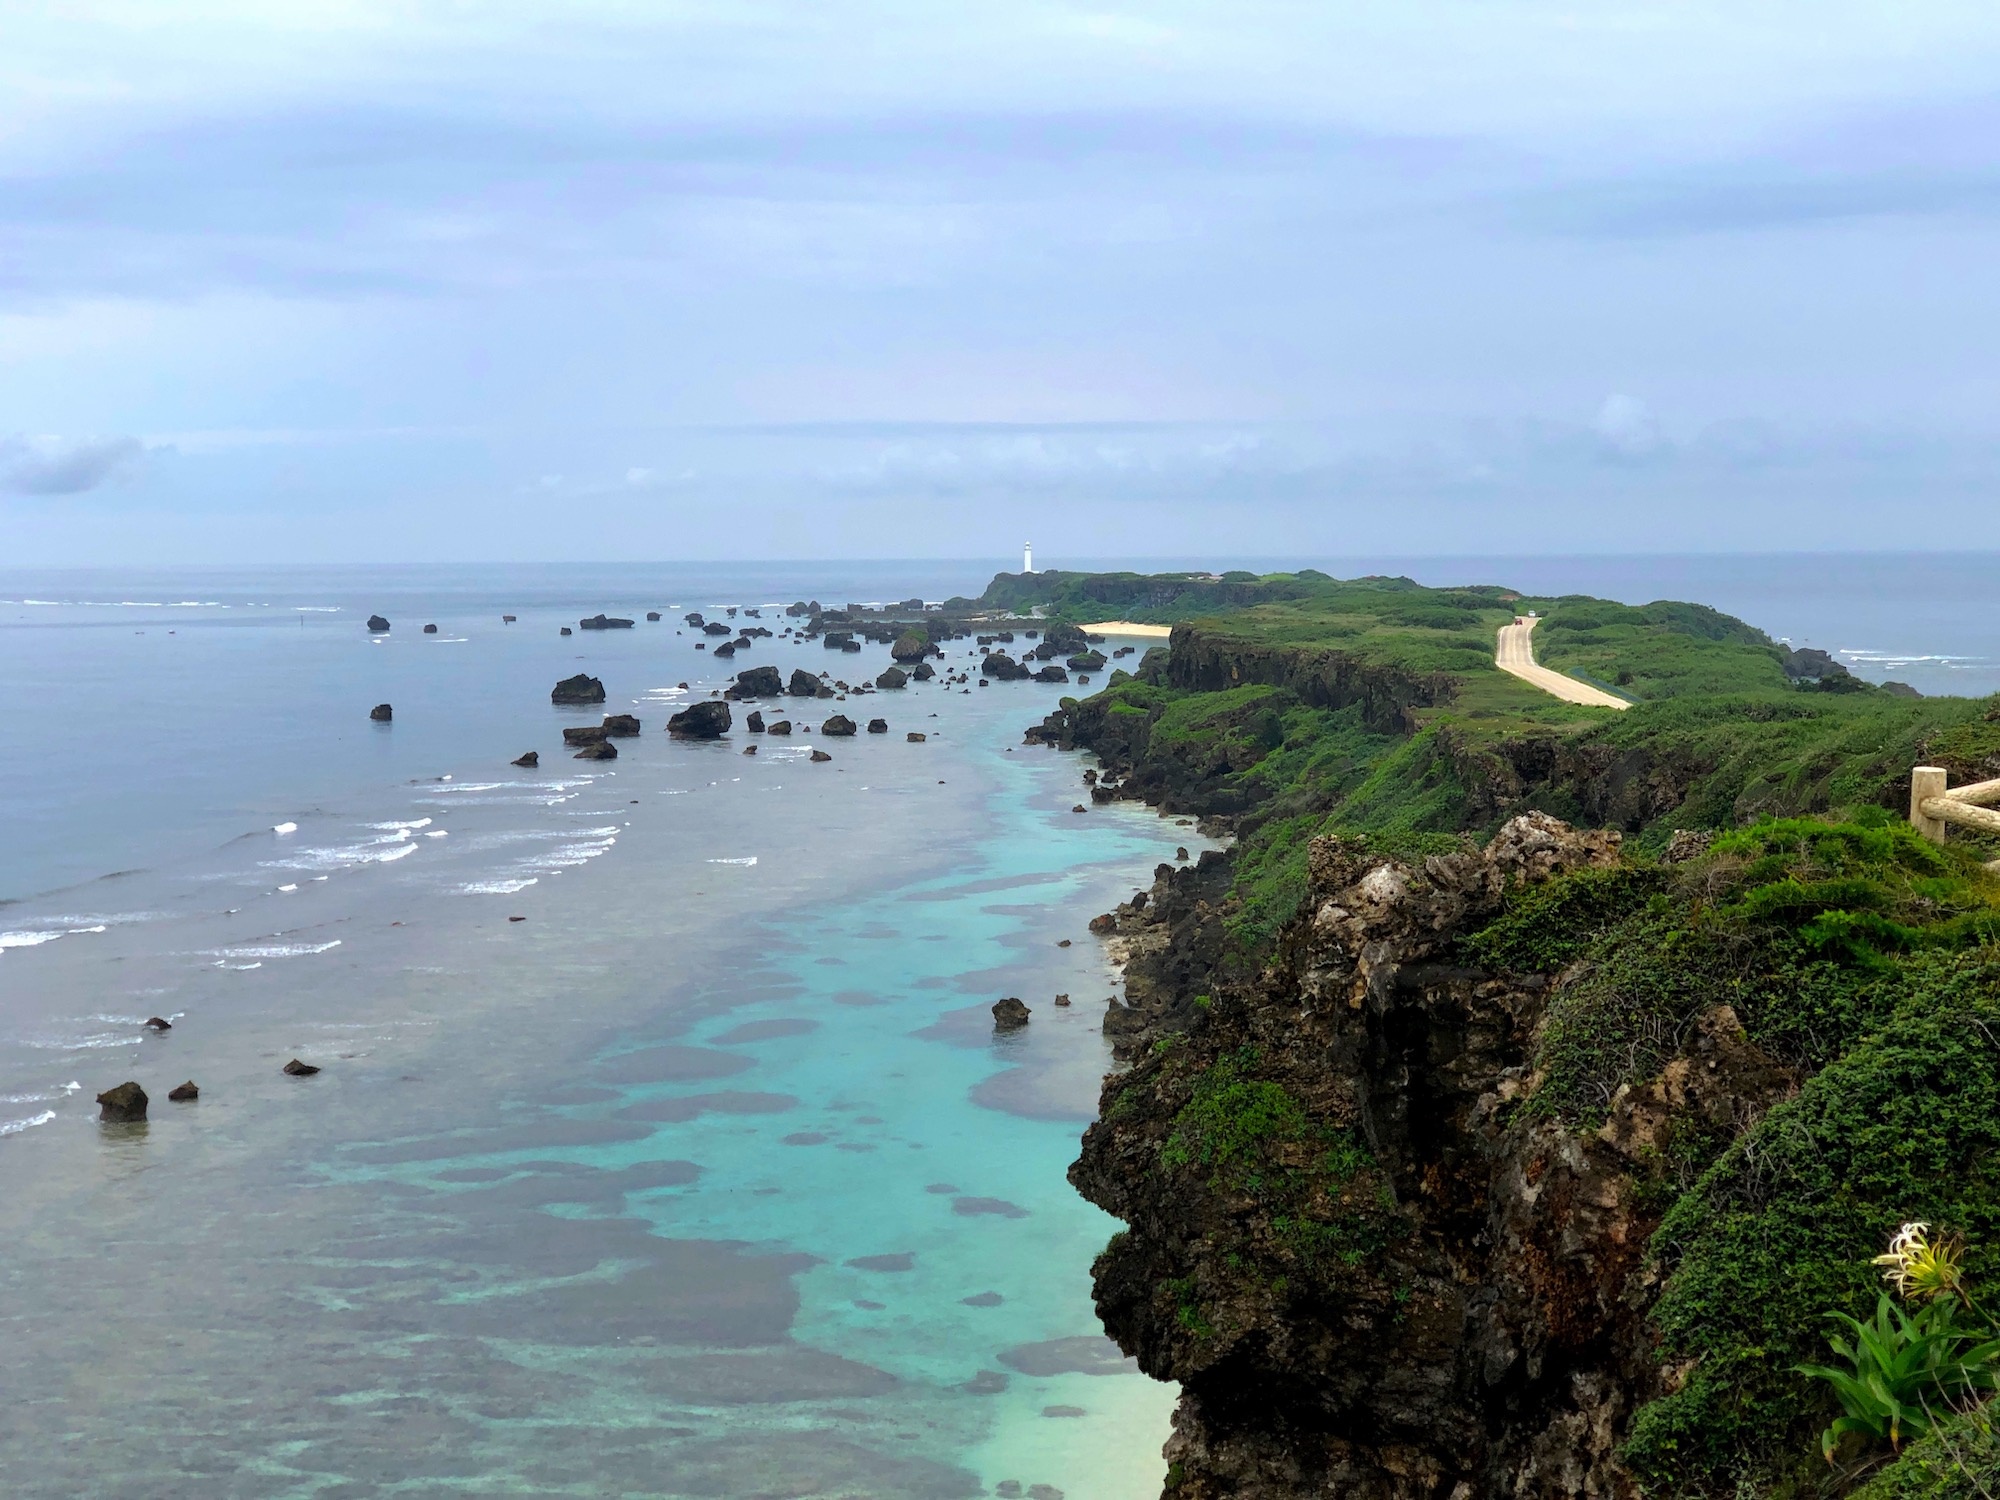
(604, 622)
(1087, 661)
(530, 760)
(620, 726)
(430, 630)
(821, 756)
(716, 627)
(878, 726)
(1322, 677)
(759, 682)
(916, 738)
(585, 734)
(1009, 1014)
(299, 1069)
(377, 624)
(780, 726)
(597, 749)
(1002, 668)
(184, 1093)
(652, 617)
(1371, 1274)
(893, 677)
(923, 671)
(754, 724)
(700, 721)
(837, 727)
(123, 1105)
(1052, 673)
(381, 713)
(911, 646)
(581, 688)
(803, 684)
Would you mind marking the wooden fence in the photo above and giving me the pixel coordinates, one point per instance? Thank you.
(1933, 804)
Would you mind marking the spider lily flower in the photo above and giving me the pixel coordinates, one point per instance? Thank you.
(1922, 1269)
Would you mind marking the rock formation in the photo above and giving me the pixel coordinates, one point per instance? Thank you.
(1009, 1014)
(700, 721)
(598, 749)
(893, 677)
(184, 1093)
(803, 684)
(122, 1105)
(531, 759)
(377, 624)
(878, 726)
(299, 1069)
(381, 713)
(604, 622)
(620, 726)
(821, 755)
(578, 689)
(837, 727)
(759, 682)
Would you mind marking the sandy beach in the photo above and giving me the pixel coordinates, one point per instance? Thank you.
(1130, 627)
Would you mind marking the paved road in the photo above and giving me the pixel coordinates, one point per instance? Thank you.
(1516, 654)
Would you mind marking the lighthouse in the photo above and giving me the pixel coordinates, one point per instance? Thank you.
(1027, 557)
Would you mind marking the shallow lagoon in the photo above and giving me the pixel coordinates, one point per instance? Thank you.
(709, 1178)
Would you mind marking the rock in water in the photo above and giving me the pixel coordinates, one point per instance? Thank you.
(820, 755)
(430, 630)
(184, 1093)
(159, 1023)
(1003, 668)
(598, 750)
(531, 760)
(604, 622)
(1009, 1014)
(749, 749)
(803, 684)
(506, 619)
(565, 630)
(759, 682)
(300, 1069)
(1104, 923)
(1086, 661)
(755, 723)
(581, 688)
(584, 734)
(620, 726)
(727, 648)
(1062, 1000)
(783, 726)
(1180, 852)
(376, 624)
(894, 677)
(652, 617)
(916, 738)
(878, 726)
(837, 727)
(716, 627)
(700, 721)
(381, 713)
(1052, 673)
(123, 1104)
(923, 671)
(911, 645)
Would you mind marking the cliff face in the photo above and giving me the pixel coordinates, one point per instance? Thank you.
(1321, 677)
(1372, 1271)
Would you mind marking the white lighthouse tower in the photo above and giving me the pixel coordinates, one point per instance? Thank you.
(1027, 557)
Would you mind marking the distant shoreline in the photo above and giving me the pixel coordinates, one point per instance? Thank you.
(1130, 627)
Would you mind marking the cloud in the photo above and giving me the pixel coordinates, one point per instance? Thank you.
(59, 466)
(1626, 426)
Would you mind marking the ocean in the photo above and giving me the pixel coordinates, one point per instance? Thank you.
(707, 1176)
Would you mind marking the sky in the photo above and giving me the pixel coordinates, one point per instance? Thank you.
(434, 280)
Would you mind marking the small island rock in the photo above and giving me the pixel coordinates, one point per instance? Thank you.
(531, 760)
(300, 1069)
(184, 1092)
(123, 1104)
(837, 727)
(878, 726)
(821, 755)
(700, 721)
(581, 688)
(381, 713)
(376, 624)
(1009, 1014)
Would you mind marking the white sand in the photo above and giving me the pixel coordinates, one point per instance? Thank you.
(1128, 627)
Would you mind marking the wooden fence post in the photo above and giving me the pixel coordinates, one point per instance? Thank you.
(1927, 782)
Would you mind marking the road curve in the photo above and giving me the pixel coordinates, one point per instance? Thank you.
(1516, 654)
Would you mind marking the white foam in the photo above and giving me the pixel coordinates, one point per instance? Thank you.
(271, 950)
(15, 1127)
(284, 828)
(438, 833)
(27, 939)
(345, 856)
(496, 887)
(83, 1044)
(748, 859)
(411, 823)
(288, 888)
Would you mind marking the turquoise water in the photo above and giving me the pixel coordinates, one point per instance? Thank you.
(709, 1177)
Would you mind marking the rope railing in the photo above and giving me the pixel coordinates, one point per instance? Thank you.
(1934, 805)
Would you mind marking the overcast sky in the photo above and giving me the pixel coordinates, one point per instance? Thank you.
(406, 280)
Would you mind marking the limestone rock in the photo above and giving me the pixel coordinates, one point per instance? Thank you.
(878, 726)
(122, 1105)
(803, 684)
(915, 737)
(604, 622)
(620, 726)
(377, 624)
(531, 759)
(700, 721)
(381, 713)
(837, 727)
(893, 677)
(300, 1069)
(759, 682)
(581, 688)
(1009, 1014)
(821, 755)
(599, 749)
(182, 1093)
(781, 726)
